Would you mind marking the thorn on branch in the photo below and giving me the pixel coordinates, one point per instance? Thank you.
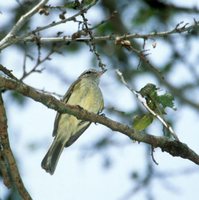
(179, 24)
(180, 28)
(59, 33)
(62, 15)
(195, 22)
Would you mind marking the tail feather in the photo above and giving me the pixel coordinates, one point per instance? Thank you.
(50, 160)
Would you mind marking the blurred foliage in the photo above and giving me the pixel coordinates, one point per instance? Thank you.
(128, 16)
(13, 195)
(18, 98)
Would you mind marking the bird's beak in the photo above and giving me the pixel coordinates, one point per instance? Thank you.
(102, 72)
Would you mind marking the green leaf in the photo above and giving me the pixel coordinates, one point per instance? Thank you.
(157, 102)
(149, 90)
(141, 122)
(166, 100)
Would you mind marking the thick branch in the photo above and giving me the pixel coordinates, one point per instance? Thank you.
(8, 165)
(175, 148)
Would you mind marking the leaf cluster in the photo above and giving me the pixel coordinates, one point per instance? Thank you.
(156, 102)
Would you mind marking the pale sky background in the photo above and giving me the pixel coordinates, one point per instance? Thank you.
(77, 178)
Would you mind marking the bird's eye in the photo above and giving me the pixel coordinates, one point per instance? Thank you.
(89, 72)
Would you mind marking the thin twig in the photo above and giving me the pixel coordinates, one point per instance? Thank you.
(92, 44)
(38, 63)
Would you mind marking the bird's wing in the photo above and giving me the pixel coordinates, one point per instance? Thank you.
(56, 123)
(70, 90)
(65, 100)
(74, 137)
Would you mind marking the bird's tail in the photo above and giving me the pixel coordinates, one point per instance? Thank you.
(50, 160)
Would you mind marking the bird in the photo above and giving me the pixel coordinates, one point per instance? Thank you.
(86, 93)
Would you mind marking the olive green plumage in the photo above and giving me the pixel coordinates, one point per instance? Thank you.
(86, 93)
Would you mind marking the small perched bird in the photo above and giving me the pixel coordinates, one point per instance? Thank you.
(86, 93)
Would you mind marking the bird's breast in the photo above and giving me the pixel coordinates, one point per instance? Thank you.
(88, 96)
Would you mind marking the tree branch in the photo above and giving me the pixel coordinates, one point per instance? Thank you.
(8, 165)
(173, 147)
(10, 38)
(178, 29)
(31, 37)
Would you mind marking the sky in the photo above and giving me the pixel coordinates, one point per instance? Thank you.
(85, 178)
